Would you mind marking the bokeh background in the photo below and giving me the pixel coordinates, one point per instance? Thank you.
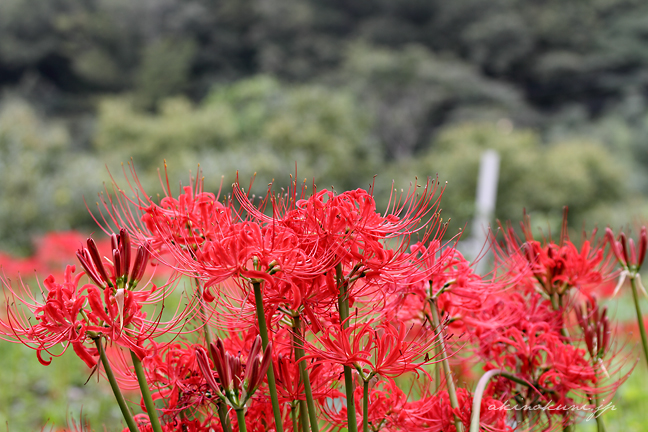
(341, 90)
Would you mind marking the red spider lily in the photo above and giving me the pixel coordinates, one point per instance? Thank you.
(52, 253)
(121, 252)
(555, 267)
(433, 413)
(387, 412)
(390, 410)
(381, 350)
(177, 425)
(310, 238)
(238, 382)
(188, 220)
(58, 318)
(73, 315)
(555, 371)
(630, 262)
(291, 387)
(541, 356)
(451, 282)
(509, 310)
(558, 268)
(175, 377)
(633, 260)
(325, 214)
(596, 329)
(305, 250)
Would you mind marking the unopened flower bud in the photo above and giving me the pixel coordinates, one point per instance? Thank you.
(643, 242)
(125, 249)
(96, 260)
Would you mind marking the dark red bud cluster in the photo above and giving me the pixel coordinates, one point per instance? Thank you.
(547, 265)
(237, 382)
(91, 262)
(121, 253)
(284, 373)
(596, 328)
(205, 368)
(629, 256)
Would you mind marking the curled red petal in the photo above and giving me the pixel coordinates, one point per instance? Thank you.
(41, 360)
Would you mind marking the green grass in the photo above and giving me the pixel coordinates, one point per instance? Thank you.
(34, 395)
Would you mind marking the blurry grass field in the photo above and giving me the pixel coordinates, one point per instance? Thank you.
(33, 395)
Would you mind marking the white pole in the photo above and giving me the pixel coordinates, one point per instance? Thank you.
(484, 204)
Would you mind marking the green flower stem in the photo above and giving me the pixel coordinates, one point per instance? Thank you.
(240, 415)
(599, 420)
(293, 416)
(224, 418)
(128, 416)
(642, 329)
(299, 353)
(452, 391)
(146, 394)
(303, 415)
(343, 306)
(263, 329)
(365, 407)
(437, 370)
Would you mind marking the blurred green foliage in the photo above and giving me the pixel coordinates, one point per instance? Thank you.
(253, 126)
(51, 395)
(343, 90)
(43, 178)
(541, 177)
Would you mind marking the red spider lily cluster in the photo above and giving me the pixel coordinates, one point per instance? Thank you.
(311, 310)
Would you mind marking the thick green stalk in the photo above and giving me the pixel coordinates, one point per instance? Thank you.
(642, 329)
(437, 370)
(365, 407)
(128, 416)
(343, 305)
(293, 417)
(452, 391)
(224, 418)
(599, 420)
(299, 353)
(146, 394)
(263, 330)
(303, 415)
(240, 415)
